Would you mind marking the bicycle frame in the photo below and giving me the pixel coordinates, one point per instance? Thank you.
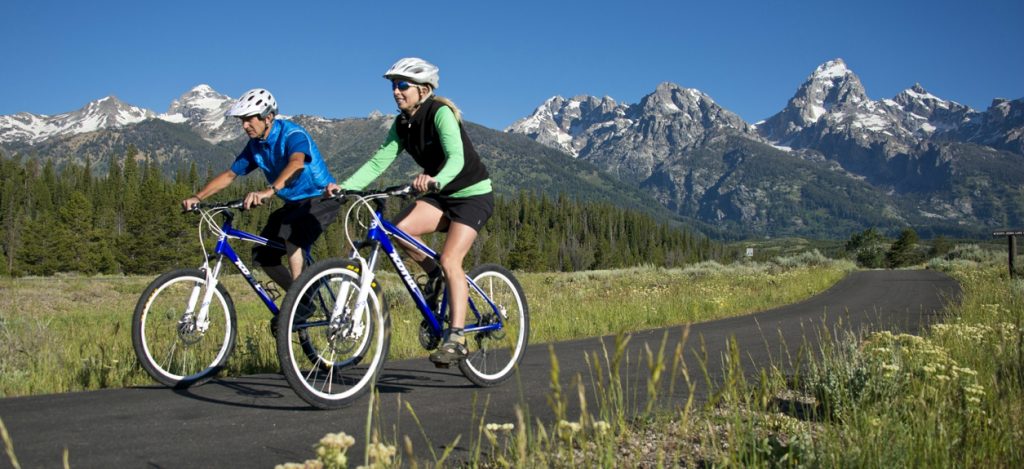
(380, 233)
(223, 249)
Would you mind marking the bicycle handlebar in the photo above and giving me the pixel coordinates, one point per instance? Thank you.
(237, 204)
(404, 191)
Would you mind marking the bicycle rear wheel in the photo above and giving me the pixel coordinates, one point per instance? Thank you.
(349, 352)
(494, 354)
(169, 343)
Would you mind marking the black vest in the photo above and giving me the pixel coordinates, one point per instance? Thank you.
(420, 138)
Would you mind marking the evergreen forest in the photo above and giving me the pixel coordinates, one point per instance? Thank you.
(128, 221)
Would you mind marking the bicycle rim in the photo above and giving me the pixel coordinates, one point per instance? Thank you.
(329, 366)
(493, 355)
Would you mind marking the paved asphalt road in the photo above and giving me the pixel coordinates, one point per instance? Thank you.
(257, 421)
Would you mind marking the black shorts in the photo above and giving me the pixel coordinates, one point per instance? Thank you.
(299, 223)
(471, 211)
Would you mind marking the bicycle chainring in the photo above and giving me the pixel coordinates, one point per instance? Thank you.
(427, 338)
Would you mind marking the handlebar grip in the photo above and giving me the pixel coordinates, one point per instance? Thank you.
(237, 204)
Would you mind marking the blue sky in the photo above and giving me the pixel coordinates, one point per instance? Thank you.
(500, 60)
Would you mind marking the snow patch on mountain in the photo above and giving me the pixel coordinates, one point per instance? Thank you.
(203, 109)
(558, 122)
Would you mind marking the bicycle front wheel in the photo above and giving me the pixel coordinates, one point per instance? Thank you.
(330, 363)
(494, 353)
(173, 344)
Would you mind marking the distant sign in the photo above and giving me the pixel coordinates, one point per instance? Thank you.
(1008, 233)
(750, 252)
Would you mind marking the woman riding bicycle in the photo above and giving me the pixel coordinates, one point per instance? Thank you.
(430, 129)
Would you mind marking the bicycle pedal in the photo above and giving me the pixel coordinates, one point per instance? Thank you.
(442, 365)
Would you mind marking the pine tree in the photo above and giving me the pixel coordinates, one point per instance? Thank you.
(525, 255)
(904, 251)
(12, 210)
(867, 248)
(39, 255)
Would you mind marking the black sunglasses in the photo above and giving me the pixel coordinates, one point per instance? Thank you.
(401, 85)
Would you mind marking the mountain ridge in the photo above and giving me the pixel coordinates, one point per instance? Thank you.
(917, 152)
(913, 159)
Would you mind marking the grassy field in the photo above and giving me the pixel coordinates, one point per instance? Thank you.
(69, 333)
(951, 397)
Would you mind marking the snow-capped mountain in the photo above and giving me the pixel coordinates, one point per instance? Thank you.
(911, 157)
(564, 124)
(926, 114)
(104, 113)
(630, 139)
(832, 107)
(831, 90)
(203, 110)
(830, 162)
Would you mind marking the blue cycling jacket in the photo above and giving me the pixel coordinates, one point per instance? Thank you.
(271, 155)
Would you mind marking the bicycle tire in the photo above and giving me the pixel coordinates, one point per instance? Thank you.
(174, 354)
(349, 359)
(494, 355)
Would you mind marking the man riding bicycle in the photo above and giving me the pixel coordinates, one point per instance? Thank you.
(296, 173)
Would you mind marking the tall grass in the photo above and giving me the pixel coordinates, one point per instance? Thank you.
(66, 333)
(951, 397)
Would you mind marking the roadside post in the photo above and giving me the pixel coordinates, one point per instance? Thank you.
(1011, 240)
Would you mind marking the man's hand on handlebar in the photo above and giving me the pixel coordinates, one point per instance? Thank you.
(256, 198)
(190, 203)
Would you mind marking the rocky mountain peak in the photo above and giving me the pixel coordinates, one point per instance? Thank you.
(831, 89)
(670, 98)
(1000, 126)
(203, 109)
(109, 112)
(924, 113)
(831, 86)
(563, 123)
(631, 139)
(917, 96)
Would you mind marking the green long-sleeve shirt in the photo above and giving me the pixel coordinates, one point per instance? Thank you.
(451, 141)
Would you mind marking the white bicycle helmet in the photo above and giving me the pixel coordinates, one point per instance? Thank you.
(256, 101)
(414, 69)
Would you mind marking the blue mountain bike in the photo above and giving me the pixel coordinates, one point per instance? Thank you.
(184, 326)
(353, 333)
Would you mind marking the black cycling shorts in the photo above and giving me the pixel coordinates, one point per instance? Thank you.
(299, 223)
(471, 211)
